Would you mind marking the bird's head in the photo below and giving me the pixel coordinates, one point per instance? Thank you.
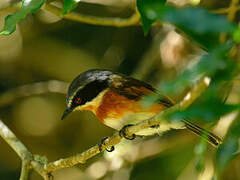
(86, 87)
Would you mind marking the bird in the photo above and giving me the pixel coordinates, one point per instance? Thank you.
(116, 100)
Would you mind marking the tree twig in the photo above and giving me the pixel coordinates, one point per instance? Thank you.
(103, 21)
(18, 147)
(14, 142)
(221, 11)
(232, 10)
(75, 16)
(25, 170)
(224, 10)
(21, 150)
(53, 86)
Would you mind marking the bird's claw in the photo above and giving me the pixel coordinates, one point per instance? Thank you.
(101, 142)
(122, 133)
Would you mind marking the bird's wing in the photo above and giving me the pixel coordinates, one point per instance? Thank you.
(135, 89)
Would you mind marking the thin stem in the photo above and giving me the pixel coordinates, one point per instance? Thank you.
(221, 11)
(25, 170)
(103, 21)
(12, 141)
(21, 151)
(53, 86)
(224, 10)
(233, 8)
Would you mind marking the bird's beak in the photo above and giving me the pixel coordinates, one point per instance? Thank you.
(66, 112)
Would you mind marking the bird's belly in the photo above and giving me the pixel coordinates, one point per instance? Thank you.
(133, 118)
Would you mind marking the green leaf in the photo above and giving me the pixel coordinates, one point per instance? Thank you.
(228, 150)
(199, 24)
(146, 22)
(69, 5)
(28, 6)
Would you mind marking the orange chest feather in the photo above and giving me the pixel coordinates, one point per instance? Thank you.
(115, 106)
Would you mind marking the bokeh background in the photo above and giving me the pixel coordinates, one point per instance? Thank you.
(46, 52)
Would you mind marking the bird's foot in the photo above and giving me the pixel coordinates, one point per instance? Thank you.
(122, 133)
(101, 142)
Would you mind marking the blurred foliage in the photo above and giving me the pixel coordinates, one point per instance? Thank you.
(158, 167)
(63, 49)
(211, 65)
(197, 23)
(217, 65)
(200, 152)
(230, 148)
(69, 5)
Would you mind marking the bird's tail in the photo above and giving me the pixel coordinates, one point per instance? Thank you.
(210, 137)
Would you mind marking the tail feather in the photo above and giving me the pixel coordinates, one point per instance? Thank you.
(210, 137)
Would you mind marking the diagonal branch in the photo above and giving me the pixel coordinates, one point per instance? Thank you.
(21, 150)
(25, 170)
(115, 138)
(44, 169)
(14, 142)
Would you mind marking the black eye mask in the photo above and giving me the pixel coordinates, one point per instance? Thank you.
(88, 92)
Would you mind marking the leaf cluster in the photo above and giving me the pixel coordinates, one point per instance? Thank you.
(218, 65)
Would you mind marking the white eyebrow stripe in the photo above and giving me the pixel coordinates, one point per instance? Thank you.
(74, 94)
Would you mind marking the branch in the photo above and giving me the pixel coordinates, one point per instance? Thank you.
(95, 20)
(26, 156)
(12, 141)
(233, 8)
(53, 86)
(115, 138)
(25, 170)
(225, 10)
(103, 21)
(221, 11)
(40, 165)
(18, 147)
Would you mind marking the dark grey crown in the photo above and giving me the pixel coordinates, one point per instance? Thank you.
(88, 77)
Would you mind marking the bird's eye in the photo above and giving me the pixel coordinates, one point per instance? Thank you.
(78, 100)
